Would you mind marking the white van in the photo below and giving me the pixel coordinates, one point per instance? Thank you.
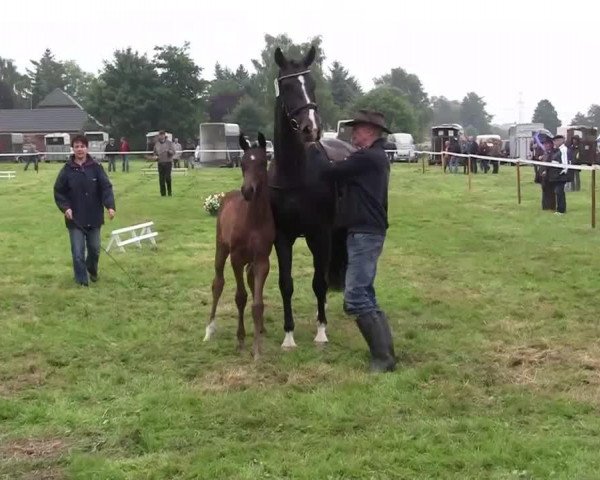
(405, 146)
(97, 142)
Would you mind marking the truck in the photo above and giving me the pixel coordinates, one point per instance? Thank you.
(223, 140)
(11, 143)
(440, 134)
(588, 137)
(520, 137)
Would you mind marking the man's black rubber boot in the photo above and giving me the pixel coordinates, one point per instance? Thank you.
(375, 336)
(383, 321)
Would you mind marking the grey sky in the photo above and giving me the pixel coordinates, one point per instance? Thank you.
(496, 49)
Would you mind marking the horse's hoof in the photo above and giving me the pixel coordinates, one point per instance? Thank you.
(288, 341)
(210, 331)
(321, 334)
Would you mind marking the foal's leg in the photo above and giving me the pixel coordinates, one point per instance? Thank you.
(217, 288)
(320, 247)
(261, 271)
(283, 247)
(250, 279)
(241, 297)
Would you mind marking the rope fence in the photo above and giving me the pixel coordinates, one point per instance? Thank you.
(424, 153)
(518, 162)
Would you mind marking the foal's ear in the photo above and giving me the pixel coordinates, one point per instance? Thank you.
(262, 142)
(244, 145)
(280, 59)
(310, 57)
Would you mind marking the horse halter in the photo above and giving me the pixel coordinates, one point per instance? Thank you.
(290, 114)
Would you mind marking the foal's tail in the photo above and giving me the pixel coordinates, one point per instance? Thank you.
(336, 274)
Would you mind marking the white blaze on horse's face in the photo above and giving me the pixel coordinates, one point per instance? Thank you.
(311, 112)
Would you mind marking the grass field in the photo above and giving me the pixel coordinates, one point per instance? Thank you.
(494, 309)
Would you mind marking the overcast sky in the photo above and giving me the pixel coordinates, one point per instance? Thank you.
(544, 49)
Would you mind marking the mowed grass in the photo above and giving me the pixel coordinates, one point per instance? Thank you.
(494, 308)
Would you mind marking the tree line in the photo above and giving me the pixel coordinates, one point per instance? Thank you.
(134, 93)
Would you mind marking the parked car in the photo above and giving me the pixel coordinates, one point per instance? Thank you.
(405, 146)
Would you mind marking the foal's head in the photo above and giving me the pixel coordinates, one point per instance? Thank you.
(296, 88)
(254, 167)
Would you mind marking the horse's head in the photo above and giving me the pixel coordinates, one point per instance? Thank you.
(296, 89)
(254, 167)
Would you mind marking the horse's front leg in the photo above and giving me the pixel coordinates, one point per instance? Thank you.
(261, 271)
(319, 244)
(283, 248)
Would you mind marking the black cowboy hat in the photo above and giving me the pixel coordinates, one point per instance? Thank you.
(369, 117)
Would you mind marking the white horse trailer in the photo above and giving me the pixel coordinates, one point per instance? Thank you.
(520, 137)
(219, 144)
(97, 142)
(58, 147)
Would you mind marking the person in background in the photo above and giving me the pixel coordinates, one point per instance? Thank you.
(188, 156)
(559, 176)
(454, 160)
(542, 174)
(197, 153)
(163, 154)
(124, 149)
(81, 191)
(390, 150)
(35, 158)
(472, 148)
(575, 159)
(445, 154)
(111, 151)
(178, 150)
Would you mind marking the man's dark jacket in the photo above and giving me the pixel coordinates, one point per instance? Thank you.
(365, 176)
(86, 190)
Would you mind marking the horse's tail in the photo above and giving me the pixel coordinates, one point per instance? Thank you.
(339, 260)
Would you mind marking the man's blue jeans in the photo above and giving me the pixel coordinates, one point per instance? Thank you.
(81, 264)
(364, 250)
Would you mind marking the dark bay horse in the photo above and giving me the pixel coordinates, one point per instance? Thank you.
(303, 204)
(246, 231)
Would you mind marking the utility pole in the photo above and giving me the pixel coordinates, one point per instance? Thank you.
(520, 103)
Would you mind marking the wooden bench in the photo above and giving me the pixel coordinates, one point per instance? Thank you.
(142, 231)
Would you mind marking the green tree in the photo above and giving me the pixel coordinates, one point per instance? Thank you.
(408, 83)
(6, 95)
(473, 114)
(546, 113)
(128, 96)
(250, 116)
(267, 70)
(445, 111)
(181, 97)
(580, 119)
(345, 89)
(46, 75)
(593, 116)
(399, 113)
(77, 81)
(411, 87)
(15, 83)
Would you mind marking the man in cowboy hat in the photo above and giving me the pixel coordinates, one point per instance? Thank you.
(365, 176)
